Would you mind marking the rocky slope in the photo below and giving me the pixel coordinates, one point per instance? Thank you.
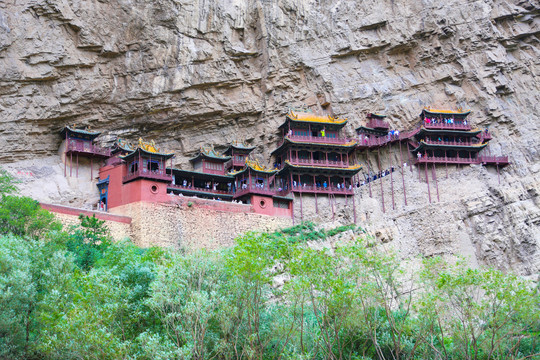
(189, 73)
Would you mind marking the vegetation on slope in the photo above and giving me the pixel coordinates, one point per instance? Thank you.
(72, 294)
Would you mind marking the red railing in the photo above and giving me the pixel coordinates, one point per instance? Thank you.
(446, 160)
(493, 159)
(377, 124)
(444, 126)
(452, 143)
(156, 175)
(86, 147)
(252, 189)
(320, 139)
(199, 189)
(326, 163)
(348, 190)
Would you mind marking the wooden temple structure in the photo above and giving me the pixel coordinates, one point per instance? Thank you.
(80, 142)
(313, 159)
(442, 137)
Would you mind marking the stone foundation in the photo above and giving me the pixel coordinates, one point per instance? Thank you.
(191, 223)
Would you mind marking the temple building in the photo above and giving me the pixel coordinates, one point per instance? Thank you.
(208, 179)
(138, 175)
(314, 157)
(79, 142)
(239, 152)
(447, 137)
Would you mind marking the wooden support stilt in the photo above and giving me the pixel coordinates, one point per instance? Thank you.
(65, 163)
(427, 181)
(316, 206)
(292, 208)
(77, 172)
(91, 168)
(70, 164)
(446, 163)
(380, 179)
(354, 209)
(402, 175)
(410, 159)
(331, 205)
(301, 208)
(391, 175)
(436, 182)
(369, 173)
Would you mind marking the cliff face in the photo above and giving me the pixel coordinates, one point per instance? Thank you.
(189, 73)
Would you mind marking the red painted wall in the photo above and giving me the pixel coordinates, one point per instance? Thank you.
(134, 191)
(265, 205)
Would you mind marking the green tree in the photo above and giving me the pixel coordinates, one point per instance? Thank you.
(23, 216)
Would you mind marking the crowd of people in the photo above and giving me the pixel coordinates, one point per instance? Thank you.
(448, 121)
(372, 177)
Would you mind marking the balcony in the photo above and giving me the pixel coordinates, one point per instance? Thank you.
(493, 160)
(86, 147)
(446, 160)
(323, 190)
(252, 189)
(147, 174)
(199, 189)
(319, 139)
(444, 126)
(319, 163)
(451, 143)
(377, 124)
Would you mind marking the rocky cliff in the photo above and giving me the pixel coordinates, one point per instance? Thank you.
(189, 73)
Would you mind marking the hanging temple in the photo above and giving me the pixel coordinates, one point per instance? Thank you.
(313, 157)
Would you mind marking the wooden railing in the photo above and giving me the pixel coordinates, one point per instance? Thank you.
(320, 139)
(493, 159)
(447, 160)
(253, 189)
(451, 143)
(156, 175)
(444, 126)
(86, 147)
(326, 163)
(323, 190)
(200, 189)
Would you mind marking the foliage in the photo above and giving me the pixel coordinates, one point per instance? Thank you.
(22, 216)
(89, 241)
(7, 183)
(286, 295)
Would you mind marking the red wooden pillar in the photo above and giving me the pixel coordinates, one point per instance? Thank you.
(402, 175)
(65, 155)
(391, 175)
(301, 209)
(77, 171)
(436, 183)
(427, 181)
(380, 179)
(369, 172)
(446, 163)
(70, 163)
(354, 209)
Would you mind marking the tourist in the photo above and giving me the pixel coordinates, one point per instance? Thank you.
(325, 185)
(184, 183)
